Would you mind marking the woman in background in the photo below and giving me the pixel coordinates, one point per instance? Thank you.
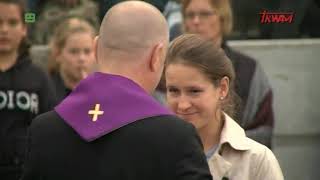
(71, 55)
(199, 82)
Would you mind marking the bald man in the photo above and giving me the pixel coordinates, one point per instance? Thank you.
(110, 127)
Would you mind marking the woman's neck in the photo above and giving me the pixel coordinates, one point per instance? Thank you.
(69, 82)
(218, 41)
(210, 135)
(7, 60)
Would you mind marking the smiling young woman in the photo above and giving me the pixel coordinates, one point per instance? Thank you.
(199, 81)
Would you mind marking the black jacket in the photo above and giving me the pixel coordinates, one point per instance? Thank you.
(25, 91)
(156, 148)
(61, 90)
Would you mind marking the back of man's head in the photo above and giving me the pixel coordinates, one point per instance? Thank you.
(132, 34)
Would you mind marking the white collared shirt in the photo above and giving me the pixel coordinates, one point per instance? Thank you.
(241, 158)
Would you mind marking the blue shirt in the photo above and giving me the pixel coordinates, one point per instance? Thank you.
(211, 151)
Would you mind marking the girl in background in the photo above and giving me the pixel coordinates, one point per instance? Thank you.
(71, 55)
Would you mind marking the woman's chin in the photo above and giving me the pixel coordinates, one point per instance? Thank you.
(189, 118)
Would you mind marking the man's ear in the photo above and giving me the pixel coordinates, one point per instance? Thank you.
(156, 58)
(95, 48)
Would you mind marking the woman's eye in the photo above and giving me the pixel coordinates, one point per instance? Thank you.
(13, 22)
(172, 90)
(74, 51)
(195, 91)
(87, 51)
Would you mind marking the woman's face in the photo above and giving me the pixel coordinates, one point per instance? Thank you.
(201, 18)
(191, 95)
(77, 58)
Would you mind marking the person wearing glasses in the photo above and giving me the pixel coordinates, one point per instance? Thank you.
(212, 19)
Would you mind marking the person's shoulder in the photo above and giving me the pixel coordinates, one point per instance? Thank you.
(33, 71)
(169, 133)
(238, 56)
(169, 122)
(37, 70)
(167, 126)
(45, 121)
(169, 119)
(258, 151)
(265, 162)
(255, 147)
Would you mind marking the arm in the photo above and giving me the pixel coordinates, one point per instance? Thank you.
(259, 111)
(262, 127)
(192, 164)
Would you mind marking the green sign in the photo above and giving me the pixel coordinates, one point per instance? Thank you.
(30, 17)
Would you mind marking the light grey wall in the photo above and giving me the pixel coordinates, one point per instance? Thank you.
(293, 70)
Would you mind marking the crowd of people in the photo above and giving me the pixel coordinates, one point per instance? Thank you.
(116, 101)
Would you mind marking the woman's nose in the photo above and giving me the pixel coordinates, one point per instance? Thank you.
(183, 103)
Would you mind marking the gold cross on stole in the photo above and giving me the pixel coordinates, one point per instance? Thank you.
(96, 112)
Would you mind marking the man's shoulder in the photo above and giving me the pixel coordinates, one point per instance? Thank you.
(165, 123)
(165, 128)
(48, 120)
(47, 116)
(167, 120)
(167, 133)
(156, 126)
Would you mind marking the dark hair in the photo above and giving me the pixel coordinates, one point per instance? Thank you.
(20, 3)
(25, 44)
(195, 51)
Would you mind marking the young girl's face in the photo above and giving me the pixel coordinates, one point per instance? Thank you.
(191, 95)
(77, 58)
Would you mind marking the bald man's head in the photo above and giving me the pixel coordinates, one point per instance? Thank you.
(131, 27)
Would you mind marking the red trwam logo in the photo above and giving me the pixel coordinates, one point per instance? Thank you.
(276, 17)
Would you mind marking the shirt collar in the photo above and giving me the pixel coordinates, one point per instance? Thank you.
(233, 135)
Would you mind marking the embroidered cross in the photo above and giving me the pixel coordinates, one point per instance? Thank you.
(96, 112)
